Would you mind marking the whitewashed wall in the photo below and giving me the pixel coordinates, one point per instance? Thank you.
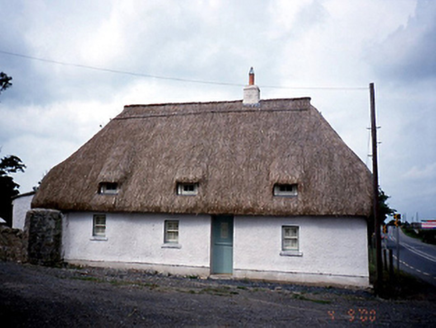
(21, 204)
(136, 240)
(333, 250)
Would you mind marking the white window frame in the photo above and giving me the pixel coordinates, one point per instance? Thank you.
(187, 189)
(285, 190)
(171, 226)
(291, 251)
(99, 228)
(108, 188)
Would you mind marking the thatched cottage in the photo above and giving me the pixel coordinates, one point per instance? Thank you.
(258, 189)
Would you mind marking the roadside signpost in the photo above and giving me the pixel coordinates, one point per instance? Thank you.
(397, 218)
(398, 249)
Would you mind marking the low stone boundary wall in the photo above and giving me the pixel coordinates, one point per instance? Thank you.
(13, 245)
(40, 243)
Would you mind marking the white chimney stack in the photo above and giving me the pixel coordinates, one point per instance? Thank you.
(251, 91)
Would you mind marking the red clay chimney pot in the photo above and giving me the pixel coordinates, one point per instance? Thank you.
(251, 77)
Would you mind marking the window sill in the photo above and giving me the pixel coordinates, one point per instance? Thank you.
(177, 246)
(291, 253)
(95, 238)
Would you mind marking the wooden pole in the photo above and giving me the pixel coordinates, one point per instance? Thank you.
(379, 265)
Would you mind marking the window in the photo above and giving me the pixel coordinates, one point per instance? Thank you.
(187, 189)
(171, 232)
(285, 190)
(99, 226)
(290, 238)
(108, 188)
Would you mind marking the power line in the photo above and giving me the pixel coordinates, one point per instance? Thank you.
(109, 70)
(114, 71)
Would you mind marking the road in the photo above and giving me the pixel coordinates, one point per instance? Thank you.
(33, 296)
(416, 257)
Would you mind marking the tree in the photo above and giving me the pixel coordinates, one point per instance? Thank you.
(8, 187)
(5, 81)
(8, 164)
(384, 211)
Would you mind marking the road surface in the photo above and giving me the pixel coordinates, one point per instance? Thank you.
(32, 296)
(416, 257)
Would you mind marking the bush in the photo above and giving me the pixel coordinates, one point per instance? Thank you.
(428, 236)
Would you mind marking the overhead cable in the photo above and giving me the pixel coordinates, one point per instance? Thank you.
(114, 71)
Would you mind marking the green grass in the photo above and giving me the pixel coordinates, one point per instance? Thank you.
(304, 298)
(411, 233)
(193, 277)
(220, 291)
(128, 283)
(116, 282)
(93, 279)
(405, 286)
(426, 236)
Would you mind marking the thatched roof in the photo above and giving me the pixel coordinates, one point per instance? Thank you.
(235, 153)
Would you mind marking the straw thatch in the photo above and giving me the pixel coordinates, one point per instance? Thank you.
(236, 154)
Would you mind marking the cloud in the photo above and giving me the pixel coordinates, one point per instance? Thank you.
(427, 172)
(53, 109)
(407, 54)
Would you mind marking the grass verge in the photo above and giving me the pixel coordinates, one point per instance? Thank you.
(402, 285)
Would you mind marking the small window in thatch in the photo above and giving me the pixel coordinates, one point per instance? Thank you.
(187, 189)
(99, 225)
(285, 190)
(290, 238)
(171, 232)
(108, 188)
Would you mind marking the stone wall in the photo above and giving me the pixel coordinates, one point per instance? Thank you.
(43, 231)
(12, 244)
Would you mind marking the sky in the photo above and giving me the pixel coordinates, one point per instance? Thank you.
(76, 64)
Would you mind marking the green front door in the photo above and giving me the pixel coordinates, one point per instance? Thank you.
(222, 244)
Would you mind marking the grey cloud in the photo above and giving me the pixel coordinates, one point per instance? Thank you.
(202, 40)
(408, 54)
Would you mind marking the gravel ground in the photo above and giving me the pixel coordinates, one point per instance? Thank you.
(32, 296)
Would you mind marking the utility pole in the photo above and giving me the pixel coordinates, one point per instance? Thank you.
(379, 268)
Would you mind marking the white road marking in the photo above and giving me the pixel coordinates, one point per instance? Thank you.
(416, 251)
(411, 267)
(420, 253)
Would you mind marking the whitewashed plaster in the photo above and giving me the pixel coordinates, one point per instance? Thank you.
(139, 239)
(332, 250)
(21, 204)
